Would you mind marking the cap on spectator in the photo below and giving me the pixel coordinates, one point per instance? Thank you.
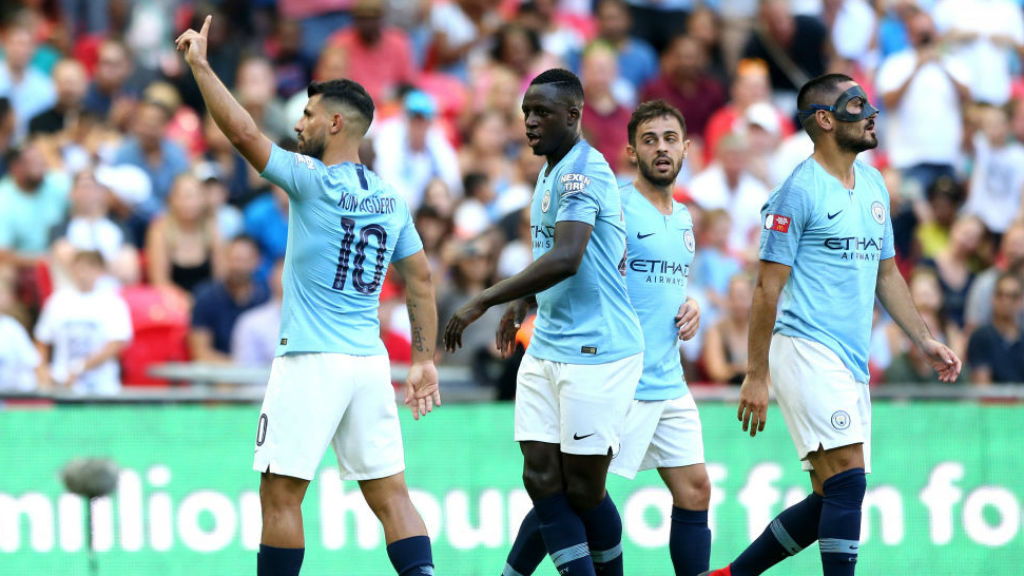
(207, 171)
(420, 104)
(763, 114)
(129, 183)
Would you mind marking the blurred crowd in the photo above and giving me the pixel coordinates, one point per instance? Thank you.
(131, 232)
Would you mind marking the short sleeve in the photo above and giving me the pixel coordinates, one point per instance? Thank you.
(409, 241)
(295, 173)
(578, 198)
(979, 350)
(783, 220)
(118, 325)
(44, 330)
(204, 311)
(888, 242)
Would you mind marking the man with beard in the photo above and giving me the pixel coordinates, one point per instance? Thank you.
(330, 382)
(662, 429)
(827, 248)
(578, 377)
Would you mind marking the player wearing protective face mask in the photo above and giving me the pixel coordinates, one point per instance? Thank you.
(826, 252)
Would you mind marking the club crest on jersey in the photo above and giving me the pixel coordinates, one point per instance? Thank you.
(840, 420)
(545, 202)
(777, 222)
(688, 240)
(878, 212)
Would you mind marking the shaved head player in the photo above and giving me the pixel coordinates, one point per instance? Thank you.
(826, 253)
(577, 379)
(330, 383)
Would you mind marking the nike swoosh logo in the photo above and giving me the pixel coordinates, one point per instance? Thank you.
(831, 216)
(578, 437)
(640, 236)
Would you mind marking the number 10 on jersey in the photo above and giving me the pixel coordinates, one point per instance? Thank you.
(380, 235)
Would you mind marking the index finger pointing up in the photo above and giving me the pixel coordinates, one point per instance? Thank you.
(205, 30)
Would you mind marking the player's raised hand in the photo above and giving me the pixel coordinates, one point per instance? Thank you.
(511, 320)
(462, 318)
(193, 43)
(422, 391)
(943, 360)
(753, 408)
(688, 319)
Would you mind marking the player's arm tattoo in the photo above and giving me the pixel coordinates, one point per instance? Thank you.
(418, 342)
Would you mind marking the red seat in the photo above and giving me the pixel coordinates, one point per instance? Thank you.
(160, 320)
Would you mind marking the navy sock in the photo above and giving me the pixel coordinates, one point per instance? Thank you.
(528, 550)
(604, 534)
(411, 556)
(273, 561)
(790, 532)
(689, 541)
(564, 536)
(839, 531)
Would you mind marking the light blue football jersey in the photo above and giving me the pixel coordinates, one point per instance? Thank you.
(345, 225)
(660, 252)
(586, 318)
(833, 239)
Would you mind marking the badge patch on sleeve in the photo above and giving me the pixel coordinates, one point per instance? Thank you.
(573, 183)
(777, 223)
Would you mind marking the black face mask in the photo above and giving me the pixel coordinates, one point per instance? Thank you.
(842, 108)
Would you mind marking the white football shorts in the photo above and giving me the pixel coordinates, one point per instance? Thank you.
(820, 400)
(580, 407)
(660, 434)
(313, 400)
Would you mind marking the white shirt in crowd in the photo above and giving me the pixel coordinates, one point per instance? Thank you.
(926, 126)
(996, 182)
(77, 325)
(710, 191)
(409, 171)
(990, 63)
(18, 356)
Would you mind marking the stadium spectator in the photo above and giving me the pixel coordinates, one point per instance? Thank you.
(254, 338)
(795, 47)
(604, 118)
(725, 344)
(556, 34)
(996, 350)
(997, 172)
(70, 82)
(517, 252)
(852, 26)
(256, 89)
(638, 62)
(908, 365)
(704, 26)
(979, 298)
(219, 303)
(923, 91)
(229, 218)
(112, 93)
(932, 230)
(750, 85)
(987, 35)
(82, 331)
(516, 48)
(485, 149)
(686, 83)
(19, 358)
(472, 270)
(714, 265)
(462, 33)
(475, 213)
(33, 199)
(412, 150)
(183, 246)
(762, 129)
(240, 179)
(292, 69)
(729, 184)
(953, 266)
(89, 227)
(30, 90)
(148, 148)
(379, 56)
(435, 229)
